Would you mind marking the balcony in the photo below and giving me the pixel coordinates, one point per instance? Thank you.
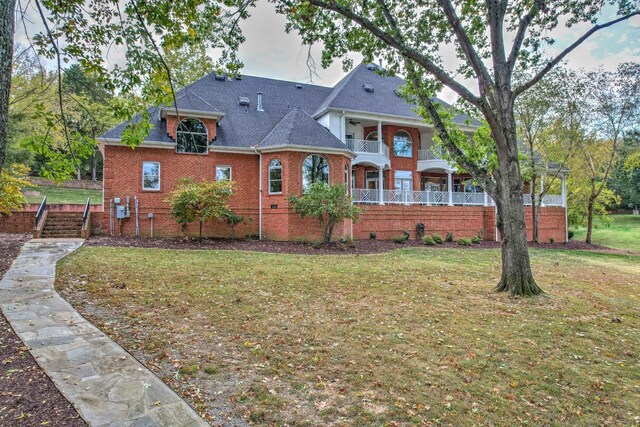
(429, 198)
(432, 158)
(374, 153)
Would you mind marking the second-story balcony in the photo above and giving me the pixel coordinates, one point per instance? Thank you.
(369, 152)
(432, 158)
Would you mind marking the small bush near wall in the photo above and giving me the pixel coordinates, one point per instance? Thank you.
(476, 240)
(373, 235)
(437, 238)
(464, 241)
(449, 237)
(428, 240)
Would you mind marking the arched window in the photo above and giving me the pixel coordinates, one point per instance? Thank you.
(192, 137)
(402, 144)
(372, 136)
(275, 176)
(314, 169)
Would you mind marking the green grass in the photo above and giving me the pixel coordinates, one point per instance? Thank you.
(61, 195)
(623, 233)
(411, 337)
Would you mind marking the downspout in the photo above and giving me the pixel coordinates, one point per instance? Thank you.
(259, 194)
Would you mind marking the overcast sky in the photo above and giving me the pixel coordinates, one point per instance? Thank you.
(270, 52)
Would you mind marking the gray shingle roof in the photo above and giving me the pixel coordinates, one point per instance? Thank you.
(299, 128)
(245, 126)
(349, 94)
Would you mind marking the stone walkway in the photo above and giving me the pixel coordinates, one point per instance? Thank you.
(106, 385)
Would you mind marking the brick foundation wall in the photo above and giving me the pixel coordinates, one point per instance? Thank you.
(388, 221)
(18, 222)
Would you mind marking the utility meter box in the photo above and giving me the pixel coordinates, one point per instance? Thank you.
(120, 212)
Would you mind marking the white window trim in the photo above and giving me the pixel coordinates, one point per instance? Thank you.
(224, 166)
(269, 176)
(159, 174)
(394, 144)
(328, 170)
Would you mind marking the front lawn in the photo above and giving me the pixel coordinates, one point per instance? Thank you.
(62, 195)
(623, 233)
(414, 336)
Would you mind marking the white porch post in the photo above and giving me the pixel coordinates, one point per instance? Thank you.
(486, 201)
(450, 187)
(380, 185)
(380, 151)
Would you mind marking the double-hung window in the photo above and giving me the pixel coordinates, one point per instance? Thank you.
(151, 176)
(275, 176)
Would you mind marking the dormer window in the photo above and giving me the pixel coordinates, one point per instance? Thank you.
(192, 136)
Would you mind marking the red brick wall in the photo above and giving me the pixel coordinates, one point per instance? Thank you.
(278, 222)
(399, 163)
(389, 221)
(18, 222)
(123, 177)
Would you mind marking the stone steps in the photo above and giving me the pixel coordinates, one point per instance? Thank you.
(62, 224)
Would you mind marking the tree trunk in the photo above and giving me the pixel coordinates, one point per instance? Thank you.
(7, 9)
(534, 209)
(589, 219)
(516, 277)
(200, 232)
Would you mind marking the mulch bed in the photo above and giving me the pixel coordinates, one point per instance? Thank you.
(27, 395)
(359, 247)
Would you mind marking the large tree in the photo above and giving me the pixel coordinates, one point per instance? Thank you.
(122, 45)
(492, 39)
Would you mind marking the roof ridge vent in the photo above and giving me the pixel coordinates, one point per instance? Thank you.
(243, 101)
(220, 77)
(368, 88)
(298, 86)
(372, 67)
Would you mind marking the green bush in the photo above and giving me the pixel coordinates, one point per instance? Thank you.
(373, 235)
(449, 237)
(401, 238)
(428, 240)
(476, 240)
(464, 241)
(552, 240)
(571, 234)
(437, 238)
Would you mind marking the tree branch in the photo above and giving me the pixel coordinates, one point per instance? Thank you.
(522, 31)
(466, 45)
(568, 50)
(439, 73)
(155, 47)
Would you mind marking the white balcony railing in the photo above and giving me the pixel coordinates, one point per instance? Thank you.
(429, 154)
(363, 146)
(407, 197)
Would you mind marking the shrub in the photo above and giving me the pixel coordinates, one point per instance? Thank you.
(464, 241)
(552, 240)
(476, 240)
(449, 237)
(329, 204)
(346, 242)
(373, 235)
(428, 240)
(437, 238)
(571, 234)
(199, 201)
(232, 219)
(401, 238)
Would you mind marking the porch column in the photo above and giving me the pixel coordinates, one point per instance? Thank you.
(450, 186)
(380, 185)
(380, 151)
(486, 201)
(541, 203)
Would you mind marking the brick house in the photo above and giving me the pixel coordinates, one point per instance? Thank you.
(275, 137)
